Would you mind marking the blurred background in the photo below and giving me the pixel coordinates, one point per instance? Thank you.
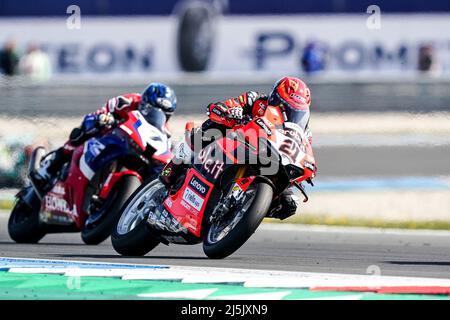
(379, 72)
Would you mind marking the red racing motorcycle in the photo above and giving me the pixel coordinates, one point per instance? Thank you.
(89, 190)
(225, 193)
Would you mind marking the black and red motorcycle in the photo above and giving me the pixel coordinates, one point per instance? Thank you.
(224, 194)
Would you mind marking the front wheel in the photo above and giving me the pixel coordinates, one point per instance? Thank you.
(230, 233)
(132, 236)
(110, 211)
(24, 225)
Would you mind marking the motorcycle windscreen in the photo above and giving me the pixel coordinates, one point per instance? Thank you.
(155, 116)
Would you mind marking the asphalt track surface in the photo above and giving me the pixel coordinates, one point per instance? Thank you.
(308, 249)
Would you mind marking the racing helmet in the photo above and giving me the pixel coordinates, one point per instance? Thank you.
(293, 96)
(159, 96)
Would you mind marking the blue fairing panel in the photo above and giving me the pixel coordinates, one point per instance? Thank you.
(98, 152)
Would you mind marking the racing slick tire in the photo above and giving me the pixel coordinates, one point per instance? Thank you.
(136, 240)
(24, 225)
(257, 208)
(195, 39)
(118, 195)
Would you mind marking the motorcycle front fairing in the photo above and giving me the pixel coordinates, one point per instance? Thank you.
(179, 218)
(295, 151)
(63, 205)
(147, 132)
(139, 139)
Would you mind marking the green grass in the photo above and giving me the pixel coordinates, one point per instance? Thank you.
(313, 219)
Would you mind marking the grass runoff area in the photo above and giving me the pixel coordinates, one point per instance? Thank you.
(6, 204)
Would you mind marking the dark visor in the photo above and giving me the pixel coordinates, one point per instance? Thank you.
(297, 116)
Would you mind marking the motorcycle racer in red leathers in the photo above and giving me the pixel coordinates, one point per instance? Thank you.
(289, 93)
(155, 96)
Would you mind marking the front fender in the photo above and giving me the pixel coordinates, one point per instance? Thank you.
(29, 196)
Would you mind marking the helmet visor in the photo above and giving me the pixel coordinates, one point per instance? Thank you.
(295, 115)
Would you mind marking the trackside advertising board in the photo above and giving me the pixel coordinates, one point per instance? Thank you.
(101, 46)
(236, 44)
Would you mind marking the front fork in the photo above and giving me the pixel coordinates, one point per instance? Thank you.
(235, 193)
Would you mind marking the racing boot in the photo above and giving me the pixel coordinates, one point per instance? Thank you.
(173, 170)
(284, 206)
(41, 178)
(184, 153)
(170, 173)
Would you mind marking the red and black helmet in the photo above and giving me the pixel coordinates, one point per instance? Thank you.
(294, 97)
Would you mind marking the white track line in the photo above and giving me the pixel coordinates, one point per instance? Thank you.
(86, 272)
(39, 270)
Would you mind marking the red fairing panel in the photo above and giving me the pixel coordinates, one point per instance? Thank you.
(188, 205)
(66, 199)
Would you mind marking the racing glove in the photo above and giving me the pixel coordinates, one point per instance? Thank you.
(105, 120)
(89, 124)
(235, 113)
(93, 122)
(249, 98)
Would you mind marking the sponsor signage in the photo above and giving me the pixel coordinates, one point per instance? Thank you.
(276, 44)
(125, 45)
(264, 126)
(268, 44)
(193, 198)
(199, 186)
(213, 165)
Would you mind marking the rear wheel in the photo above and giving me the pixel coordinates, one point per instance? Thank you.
(132, 236)
(230, 233)
(110, 211)
(24, 225)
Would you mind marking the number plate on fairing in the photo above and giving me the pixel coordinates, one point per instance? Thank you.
(288, 144)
